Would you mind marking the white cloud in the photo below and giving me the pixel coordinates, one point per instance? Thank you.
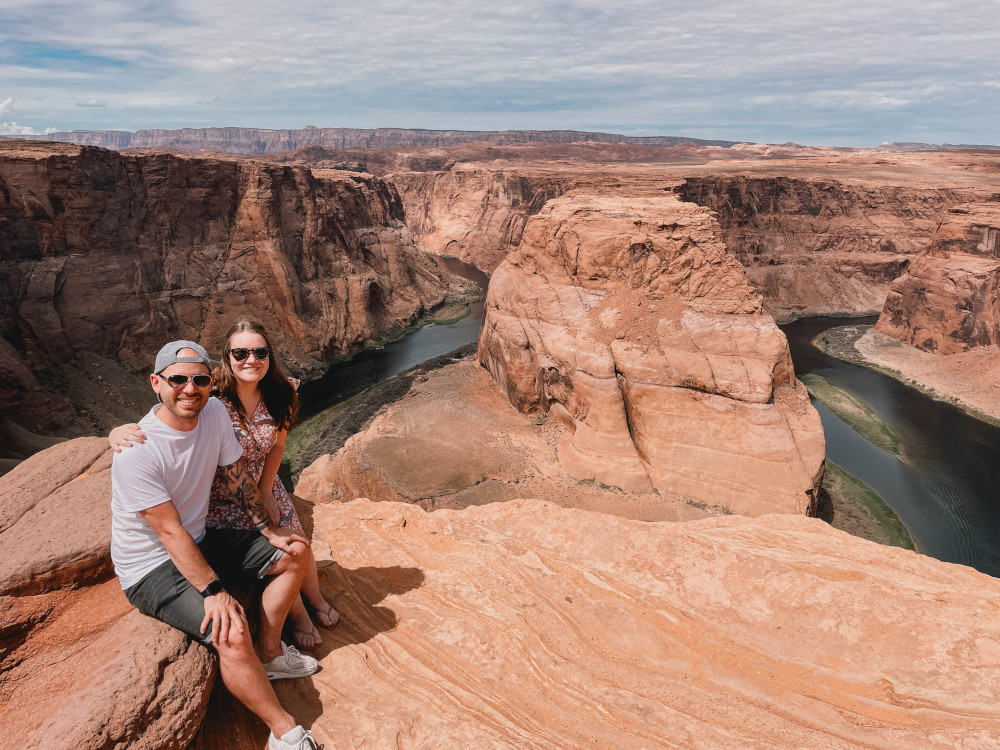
(7, 105)
(741, 69)
(12, 128)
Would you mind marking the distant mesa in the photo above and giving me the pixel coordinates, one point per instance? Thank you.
(261, 141)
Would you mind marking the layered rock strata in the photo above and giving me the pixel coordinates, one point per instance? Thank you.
(528, 625)
(79, 667)
(476, 215)
(949, 299)
(114, 254)
(629, 321)
(262, 141)
(815, 245)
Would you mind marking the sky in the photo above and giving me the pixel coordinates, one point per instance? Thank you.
(827, 72)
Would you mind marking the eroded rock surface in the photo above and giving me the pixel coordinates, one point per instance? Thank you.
(476, 215)
(949, 299)
(628, 320)
(527, 625)
(453, 441)
(114, 254)
(816, 244)
(79, 667)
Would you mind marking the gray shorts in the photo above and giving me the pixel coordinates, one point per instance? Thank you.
(240, 558)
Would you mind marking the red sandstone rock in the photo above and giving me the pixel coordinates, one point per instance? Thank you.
(115, 254)
(949, 300)
(79, 667)
(628, 319)
(524, 624)
(816, 244)
(820, 235)
(453, 441)
(473, 214)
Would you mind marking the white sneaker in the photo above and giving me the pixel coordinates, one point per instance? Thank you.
(290, 665)
(305, 741)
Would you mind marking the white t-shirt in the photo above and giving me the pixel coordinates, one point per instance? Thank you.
(170, 465)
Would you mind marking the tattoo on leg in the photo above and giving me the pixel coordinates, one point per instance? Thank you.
(245, 492)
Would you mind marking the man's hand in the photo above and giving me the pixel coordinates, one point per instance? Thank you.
(270, 507)
(283, 538)
(224, 613)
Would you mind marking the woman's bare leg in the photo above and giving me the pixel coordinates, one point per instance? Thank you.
(324, 612)
(305, 633)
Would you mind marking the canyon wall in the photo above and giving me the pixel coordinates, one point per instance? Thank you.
(114, 254)
(474, 214)
(262, 141)
(627, 319)
(949, 299)
(815, 245)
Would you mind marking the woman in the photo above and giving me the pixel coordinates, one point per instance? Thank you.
(262, 403)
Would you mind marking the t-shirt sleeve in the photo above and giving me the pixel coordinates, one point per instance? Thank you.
(138, 479)
(230, 449)
(295, 383)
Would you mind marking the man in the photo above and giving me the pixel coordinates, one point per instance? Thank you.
(168, 564)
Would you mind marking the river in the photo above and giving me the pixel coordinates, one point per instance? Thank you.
(944, 486)
(372, 366)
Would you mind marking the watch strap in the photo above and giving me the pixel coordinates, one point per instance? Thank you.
(212, 589)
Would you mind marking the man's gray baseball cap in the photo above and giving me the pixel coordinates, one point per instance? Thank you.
(168, 356)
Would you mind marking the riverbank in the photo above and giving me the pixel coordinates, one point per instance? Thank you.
(967, 380)
(328, 430)
(854, 412)
(848, 504)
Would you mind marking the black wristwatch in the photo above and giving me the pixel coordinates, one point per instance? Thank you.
(212, 589)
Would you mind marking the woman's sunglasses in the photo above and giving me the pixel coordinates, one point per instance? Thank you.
(240, 355)
(179, 381)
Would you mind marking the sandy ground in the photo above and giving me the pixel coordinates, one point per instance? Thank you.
(969, 380)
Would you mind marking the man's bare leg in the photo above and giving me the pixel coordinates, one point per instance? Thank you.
(282, 590)
(245, 678)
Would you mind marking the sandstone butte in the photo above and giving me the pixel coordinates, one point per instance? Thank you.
(624, 326)
(518, 624)
(627, 319)
(104, 256)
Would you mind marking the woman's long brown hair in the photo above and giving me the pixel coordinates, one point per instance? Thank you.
(280, 398)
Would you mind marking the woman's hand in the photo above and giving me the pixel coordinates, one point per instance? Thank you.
(270, 506)
(124, 436)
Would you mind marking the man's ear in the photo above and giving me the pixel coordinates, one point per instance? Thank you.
(154, 382)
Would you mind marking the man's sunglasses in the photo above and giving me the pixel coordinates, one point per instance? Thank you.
(241, 354)
(179, 381)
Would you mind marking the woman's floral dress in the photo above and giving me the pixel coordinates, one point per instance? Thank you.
(257, 441)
